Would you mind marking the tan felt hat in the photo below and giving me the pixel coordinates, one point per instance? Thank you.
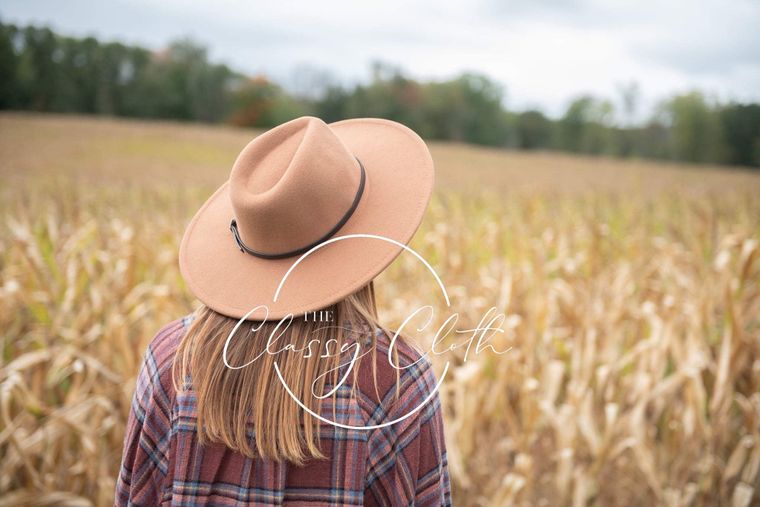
(330, 206)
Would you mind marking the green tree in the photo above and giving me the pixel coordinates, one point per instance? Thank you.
(390, 94)
(586, 127)
(741, 125)
(37, 72)
(261, 103)
(468, 108)
(332, 105)
(534, 130)
(181, 83)
(696, 130)
(629, 95)
(9, 86)
(78, 62)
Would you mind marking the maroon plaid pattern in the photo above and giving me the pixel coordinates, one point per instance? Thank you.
(401, 464)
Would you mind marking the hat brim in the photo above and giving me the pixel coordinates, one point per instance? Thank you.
(400, 175)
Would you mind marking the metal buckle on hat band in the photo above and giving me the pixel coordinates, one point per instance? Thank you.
(250, 251)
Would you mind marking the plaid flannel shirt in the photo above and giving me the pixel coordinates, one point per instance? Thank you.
(401, 464)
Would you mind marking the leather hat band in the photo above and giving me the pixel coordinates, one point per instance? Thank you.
(250, 251)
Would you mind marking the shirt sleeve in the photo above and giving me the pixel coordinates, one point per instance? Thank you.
(145, 460)
(406, 463)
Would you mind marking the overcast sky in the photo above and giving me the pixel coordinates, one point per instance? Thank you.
(544, 52)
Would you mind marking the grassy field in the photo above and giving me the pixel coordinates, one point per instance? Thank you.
(631, 289)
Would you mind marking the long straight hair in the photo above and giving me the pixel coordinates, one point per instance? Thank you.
(232, 401)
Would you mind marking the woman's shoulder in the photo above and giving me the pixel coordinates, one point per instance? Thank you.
(404, 351)
(164, 343)
(156, 370)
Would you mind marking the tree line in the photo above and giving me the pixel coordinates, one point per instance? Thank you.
(45, 71)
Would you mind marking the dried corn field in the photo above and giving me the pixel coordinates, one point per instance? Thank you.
(631, 294)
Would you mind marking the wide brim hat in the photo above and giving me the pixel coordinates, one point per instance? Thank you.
(311, 213)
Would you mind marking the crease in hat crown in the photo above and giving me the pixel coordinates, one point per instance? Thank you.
(291, 185)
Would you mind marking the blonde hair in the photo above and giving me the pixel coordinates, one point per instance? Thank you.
(230, 401)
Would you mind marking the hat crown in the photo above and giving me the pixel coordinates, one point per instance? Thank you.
(291, 185)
